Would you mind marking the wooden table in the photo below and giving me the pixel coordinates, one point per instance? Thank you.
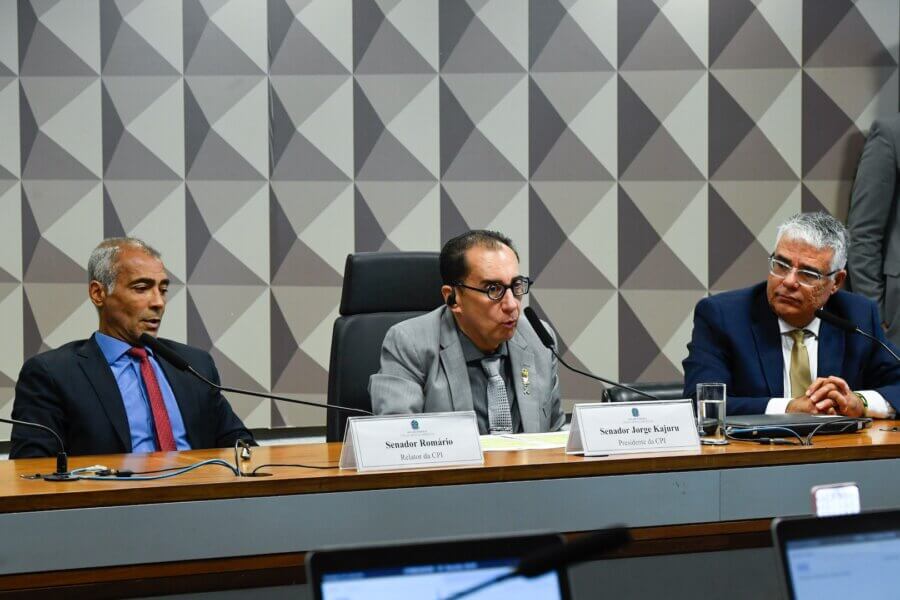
(209, 528)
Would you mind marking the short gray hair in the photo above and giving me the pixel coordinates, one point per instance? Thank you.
(820, 230)
(103, 265)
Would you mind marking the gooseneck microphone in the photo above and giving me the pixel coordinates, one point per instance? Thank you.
(547, 340)
(850, 327)
(62, 459)
(177, 361)
(578, 550)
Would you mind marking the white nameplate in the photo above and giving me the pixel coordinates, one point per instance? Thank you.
(391, 442)
(601, 429)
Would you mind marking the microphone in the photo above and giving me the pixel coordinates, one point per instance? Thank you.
(547, 340)
(839, 322)
(172, 357)
(62, 459)
(848, 326)
(539, 328)
(578, 550)
(177, 361)
(541, 561)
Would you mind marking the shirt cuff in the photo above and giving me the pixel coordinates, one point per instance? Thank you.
(879, 408)
(778, 406)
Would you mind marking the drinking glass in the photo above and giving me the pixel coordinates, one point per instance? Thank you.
(711, 405)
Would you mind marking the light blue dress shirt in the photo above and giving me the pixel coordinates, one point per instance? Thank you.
(127, 372)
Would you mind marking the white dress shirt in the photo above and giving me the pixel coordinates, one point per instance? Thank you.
(878, 406)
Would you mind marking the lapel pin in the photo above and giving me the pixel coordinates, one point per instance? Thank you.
(525, 381)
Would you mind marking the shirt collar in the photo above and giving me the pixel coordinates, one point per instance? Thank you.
(813, 327)
(470, 350)
(113, 348)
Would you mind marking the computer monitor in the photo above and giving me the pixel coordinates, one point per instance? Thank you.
(849, 556)
(433, 570)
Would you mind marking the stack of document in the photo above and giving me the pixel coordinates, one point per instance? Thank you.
(524, 441)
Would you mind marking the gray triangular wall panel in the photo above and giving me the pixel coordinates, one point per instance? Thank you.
(130, 54)
(217, 54)
(217, 160)
(302, 161)
(389, 52)
(570, 49)
(480, 160)
(301, 53)
(479, 51)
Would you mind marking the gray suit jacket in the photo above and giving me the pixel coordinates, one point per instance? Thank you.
(874, 223)
(423, 370)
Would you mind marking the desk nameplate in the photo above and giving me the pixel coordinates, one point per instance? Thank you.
(418, 441)
(601, 429)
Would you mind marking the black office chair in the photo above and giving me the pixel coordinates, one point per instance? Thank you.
(380, 289)
(670, 390)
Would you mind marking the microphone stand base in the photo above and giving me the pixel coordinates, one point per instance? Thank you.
(59, 477)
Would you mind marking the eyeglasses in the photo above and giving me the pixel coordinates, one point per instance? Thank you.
(496, 291)
(805, 277)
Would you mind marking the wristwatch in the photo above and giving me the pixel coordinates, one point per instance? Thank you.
(865, 402)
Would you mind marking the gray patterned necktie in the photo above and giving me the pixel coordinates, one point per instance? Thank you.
(498, 402)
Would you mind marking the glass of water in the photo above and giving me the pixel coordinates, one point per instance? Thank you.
(711, 405)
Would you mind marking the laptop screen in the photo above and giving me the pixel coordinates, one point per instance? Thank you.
(862, 565)
(847, 556)
(434, 570)
(439, 581)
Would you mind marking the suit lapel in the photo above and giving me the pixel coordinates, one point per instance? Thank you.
(454, 364)
(521, 358)
(98, 373)
(768, 345)
(831, 350)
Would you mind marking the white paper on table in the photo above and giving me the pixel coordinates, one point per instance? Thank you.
(524, 441)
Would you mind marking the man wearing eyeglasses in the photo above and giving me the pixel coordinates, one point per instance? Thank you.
(775, 355)
(474, 352)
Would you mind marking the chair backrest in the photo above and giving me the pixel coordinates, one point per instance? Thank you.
(672, 390)
(380, 290)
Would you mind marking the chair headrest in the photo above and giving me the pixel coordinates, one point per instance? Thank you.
(670, 390)
(391, 282)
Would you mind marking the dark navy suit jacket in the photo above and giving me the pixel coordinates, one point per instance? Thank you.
(73, 391)
(736, 341)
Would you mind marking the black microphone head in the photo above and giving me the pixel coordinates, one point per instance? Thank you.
(580, 549)
(835, 320)
(539, 328)
(62, 462)
(164, 352)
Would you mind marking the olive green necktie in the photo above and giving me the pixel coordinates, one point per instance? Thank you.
(799, 371)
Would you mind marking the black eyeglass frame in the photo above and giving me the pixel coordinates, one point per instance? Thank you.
(516, 280)
(819, 277)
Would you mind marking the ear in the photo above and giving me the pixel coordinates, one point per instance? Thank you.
(449, 295)
(839, 278)
(97, 293)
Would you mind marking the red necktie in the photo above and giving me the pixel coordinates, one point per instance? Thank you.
(164, 438)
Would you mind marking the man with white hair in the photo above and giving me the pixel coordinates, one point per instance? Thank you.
(108, 394)
(767, 345)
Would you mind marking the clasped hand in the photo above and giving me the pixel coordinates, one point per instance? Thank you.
(828, 396)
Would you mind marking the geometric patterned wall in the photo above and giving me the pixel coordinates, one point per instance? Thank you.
(638, 151)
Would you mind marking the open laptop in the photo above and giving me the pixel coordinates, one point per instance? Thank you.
(850, 556)
(791, 424)
(433, 570)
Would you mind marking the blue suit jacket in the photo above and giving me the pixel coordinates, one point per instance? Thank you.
(736, 341)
